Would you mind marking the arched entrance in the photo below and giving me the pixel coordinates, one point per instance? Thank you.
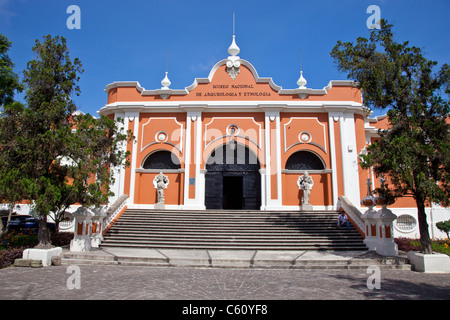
(232, 180)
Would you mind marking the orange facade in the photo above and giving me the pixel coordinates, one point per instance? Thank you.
(272, 137)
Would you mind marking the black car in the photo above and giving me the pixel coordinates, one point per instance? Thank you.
(26, 223)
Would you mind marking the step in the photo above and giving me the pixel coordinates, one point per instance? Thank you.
(230, 235)
(197, 229)
(231, 229)
(209, 258)
(222, 243)
(230, 247)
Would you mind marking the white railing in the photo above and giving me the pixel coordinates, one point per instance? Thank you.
(114, 210)
(67, 226)
(353, 213)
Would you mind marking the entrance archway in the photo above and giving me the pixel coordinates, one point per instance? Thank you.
(232, 179)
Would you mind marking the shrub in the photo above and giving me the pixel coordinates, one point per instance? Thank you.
(60, 239)
(405, 244)
(8, 256)
(444, 226)
(19, 239)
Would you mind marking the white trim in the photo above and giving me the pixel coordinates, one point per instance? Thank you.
(140, 170)
(187, 158)
(278, 149)
(275, 115)
(349, 158)
(198, 158)
(333, 158)
(267, 191)
(297, 208)
(324, 171)
(187, 90)
(232, 106)
(135, 117)
(119, 172)
(196, 203)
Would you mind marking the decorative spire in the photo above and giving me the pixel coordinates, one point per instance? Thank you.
(234, 50)
(166, 82)
(301, 81)
(233, 63)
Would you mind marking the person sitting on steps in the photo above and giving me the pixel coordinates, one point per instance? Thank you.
(343, 219)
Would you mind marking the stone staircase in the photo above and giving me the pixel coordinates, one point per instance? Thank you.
(231, 230)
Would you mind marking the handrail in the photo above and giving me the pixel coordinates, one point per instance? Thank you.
(353, 213)
(114, 210)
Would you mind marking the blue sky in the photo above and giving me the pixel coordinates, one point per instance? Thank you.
(128, 40)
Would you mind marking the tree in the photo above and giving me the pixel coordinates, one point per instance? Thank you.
(9, 81)
(9, 85)
(47, 132)
(414, 151)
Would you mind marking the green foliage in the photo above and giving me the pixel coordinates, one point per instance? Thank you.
(444, 226)
(9, 81)
(406, 244)
(19, 239)
(51, 155)
(415, 151)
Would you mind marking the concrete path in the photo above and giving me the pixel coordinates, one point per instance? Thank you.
(119, 282)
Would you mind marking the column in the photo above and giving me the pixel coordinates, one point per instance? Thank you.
(349, 157)
(119, 172)
(194, 179)
(334, 178)
(133, 117)
(273, 190)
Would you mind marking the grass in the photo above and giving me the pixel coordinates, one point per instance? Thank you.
(405, 244)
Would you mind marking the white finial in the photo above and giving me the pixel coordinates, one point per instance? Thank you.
(233, 50)
(302, 81)
(166, 82)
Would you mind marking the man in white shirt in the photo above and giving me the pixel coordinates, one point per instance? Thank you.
(343, 219)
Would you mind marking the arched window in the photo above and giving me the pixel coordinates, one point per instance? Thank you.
(304, 160)
(162, 160)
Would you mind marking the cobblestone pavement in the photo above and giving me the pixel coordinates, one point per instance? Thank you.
(172, 283)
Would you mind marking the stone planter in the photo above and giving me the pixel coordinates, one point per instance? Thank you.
(44, 255)
(429, 263)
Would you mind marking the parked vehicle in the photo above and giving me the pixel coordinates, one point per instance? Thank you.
(25, 223)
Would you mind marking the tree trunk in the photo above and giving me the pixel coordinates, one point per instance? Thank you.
(43, 234)
(425, 240)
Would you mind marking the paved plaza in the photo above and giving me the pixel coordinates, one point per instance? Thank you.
(109, 282)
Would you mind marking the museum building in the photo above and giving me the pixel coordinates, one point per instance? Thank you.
(235, 140)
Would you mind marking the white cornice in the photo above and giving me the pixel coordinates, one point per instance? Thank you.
(301, 92)
(233, 106)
